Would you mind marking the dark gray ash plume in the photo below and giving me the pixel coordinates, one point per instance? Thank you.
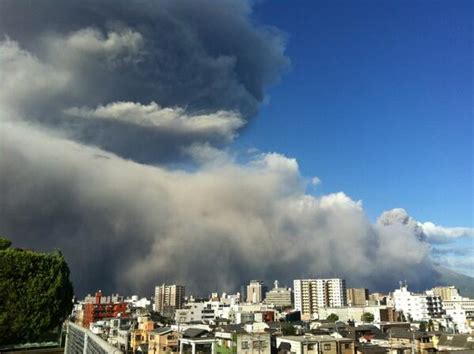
(101, 101)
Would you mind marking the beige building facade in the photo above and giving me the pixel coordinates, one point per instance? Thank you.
(357, 296)
(169, 298)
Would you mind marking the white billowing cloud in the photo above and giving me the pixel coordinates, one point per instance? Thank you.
(427, 231)
(92, 41)
(25, 80)
(438, 233)
(84, 51)
(315, 181)
(205, 154)
(399, 216)
(221, 123)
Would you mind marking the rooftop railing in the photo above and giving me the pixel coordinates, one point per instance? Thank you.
(80, 340)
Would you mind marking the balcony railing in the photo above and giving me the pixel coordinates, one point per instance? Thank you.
(80, 340)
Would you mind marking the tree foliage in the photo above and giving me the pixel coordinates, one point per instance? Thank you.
(287, 329)
(4, 243)
(423, 326)
(367, 317)
(35, 294)
(333, 317)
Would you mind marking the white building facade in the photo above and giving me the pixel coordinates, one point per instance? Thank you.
(461, 312)
(312, 294)
(417, 307)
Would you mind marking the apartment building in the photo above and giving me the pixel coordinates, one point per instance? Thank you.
(168, 298)
(418, 307)
(279, 297)
(446, 293)
(195, 312)
(357, 296)
(312, 294)
(256, 292)
(102, 307)
(461, 312)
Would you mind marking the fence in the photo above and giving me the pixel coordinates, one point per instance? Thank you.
(82, 341)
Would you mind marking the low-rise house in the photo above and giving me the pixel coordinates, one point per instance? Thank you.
(163, 340)
(119, 333)
(456, 343)
(367, 348)
(196, 341)
(240, 341)
(139, 336)
(317, 344)
(421, 342)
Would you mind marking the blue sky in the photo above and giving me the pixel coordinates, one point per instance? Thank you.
(377, 103)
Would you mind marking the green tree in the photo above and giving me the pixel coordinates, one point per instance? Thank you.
(4, 243)
(423, 326)
(35, 295)
(287, 329)
(333, 317)
(367, 317)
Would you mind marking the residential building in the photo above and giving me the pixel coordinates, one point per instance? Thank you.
(456, 343)
(312, 294)
(380, 299)
(417, 307)
(197, 341)
(168, 298)
(163, 341)
(135, 302)
(354, 313)
(256, 292)
(195, 312)
(139, 335)
(279, 297)
(357, 296)
(314, 344)
(420, 342)
(101, 307)
(120, 333)
(241, 341)
(446, 293)
(461, 312)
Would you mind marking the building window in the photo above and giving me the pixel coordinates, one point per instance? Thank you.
(347, 346)
(327, 347)
(245, 345)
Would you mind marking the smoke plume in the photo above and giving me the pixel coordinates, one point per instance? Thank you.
(115, 120)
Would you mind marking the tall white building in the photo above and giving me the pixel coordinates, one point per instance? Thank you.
(311, 294)
(169, 298)
(418, 307)
(461, 312)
